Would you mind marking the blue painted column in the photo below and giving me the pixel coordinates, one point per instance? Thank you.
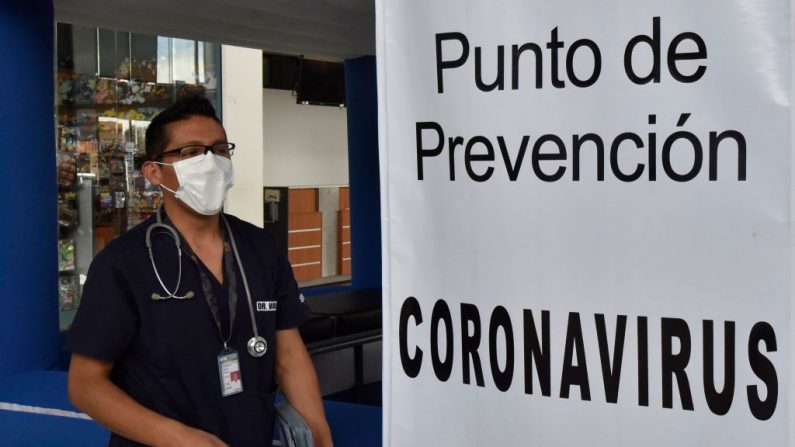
(29, 336)
(361, 96)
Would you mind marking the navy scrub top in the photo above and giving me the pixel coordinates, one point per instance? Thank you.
(165, 352)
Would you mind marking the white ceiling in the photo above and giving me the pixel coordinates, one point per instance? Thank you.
(325, 29)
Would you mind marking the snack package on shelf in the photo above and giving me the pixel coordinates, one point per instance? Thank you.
(67, 293)
(66, 255)
(105, 92)
(69, 136)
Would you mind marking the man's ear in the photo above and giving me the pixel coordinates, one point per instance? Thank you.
(152, 172)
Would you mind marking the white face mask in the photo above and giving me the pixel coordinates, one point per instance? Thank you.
(204, 181)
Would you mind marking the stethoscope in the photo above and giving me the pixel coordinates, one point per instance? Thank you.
(257, 345)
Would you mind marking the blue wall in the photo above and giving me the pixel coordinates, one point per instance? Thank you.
(28, 240)
(361, 96)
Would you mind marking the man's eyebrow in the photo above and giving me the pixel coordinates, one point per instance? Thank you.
(199, 142)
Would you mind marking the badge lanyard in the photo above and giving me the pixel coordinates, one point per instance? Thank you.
(228, 359)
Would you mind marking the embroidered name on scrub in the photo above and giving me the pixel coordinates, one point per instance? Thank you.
(266, 306)
(229, 370)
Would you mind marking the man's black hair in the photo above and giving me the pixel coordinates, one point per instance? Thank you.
(156, 135)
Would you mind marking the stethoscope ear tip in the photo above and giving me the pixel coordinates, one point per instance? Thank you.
(159, 297)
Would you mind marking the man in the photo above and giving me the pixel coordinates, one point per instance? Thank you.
(164, 346)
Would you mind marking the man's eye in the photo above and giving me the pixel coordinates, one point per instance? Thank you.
(191, 151)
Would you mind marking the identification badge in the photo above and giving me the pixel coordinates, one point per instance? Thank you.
(229, 370)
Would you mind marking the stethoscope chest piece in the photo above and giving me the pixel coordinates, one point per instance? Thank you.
(257, 346)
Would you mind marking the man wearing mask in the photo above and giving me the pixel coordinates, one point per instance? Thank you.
(188, 322)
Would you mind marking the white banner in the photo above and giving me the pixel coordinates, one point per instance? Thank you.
(587, 222)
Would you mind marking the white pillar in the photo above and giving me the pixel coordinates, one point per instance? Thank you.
(242, 116)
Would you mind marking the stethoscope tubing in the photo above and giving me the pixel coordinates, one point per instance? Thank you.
(157, 297)
(173, 233)
(243, 275)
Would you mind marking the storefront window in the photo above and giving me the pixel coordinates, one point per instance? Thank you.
(109, 85)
